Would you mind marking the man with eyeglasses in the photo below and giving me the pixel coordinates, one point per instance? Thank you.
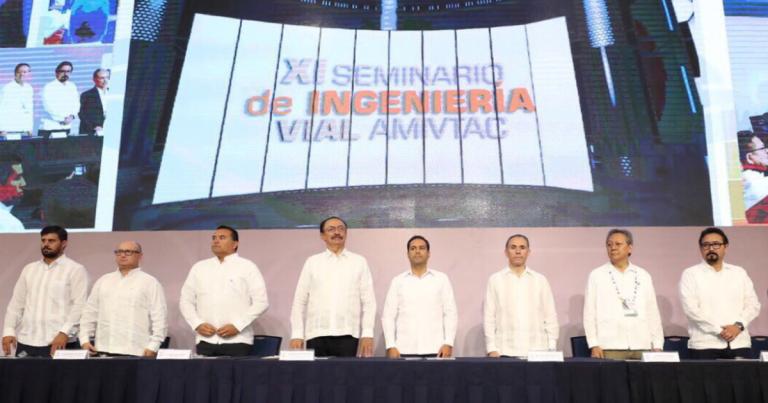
(719, 300)
(621, 316)
(754, 175)
(126, 310)
(61, 102)
(222, 297)
(334, 303)
(47, 301)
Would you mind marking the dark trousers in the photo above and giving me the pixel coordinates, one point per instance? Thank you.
(24, 350)
(725, 353)
(224, 349)
(333, 346)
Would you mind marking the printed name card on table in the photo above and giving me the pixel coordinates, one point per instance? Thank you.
(764, 356)
(545, 356)
(661, 356)
(70, 354)
(297, 355)
(173, 354)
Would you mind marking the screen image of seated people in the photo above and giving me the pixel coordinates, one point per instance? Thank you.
(747, 27)
(56, 110)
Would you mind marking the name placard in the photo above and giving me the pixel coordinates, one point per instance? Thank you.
(297, 355)
(661, 356)
(173, 354)
(764, 356)
(70, 354)
(545, 356)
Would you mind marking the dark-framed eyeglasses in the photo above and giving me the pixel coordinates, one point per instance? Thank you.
(712, 245)
(126, 252)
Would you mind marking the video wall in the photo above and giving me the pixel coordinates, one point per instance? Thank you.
(481, 114)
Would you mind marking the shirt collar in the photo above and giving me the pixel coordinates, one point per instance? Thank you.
(630, 268)
(706, 265)
(55, 262)
(343, 253)
(130, 273)
(410, 273)
(526, 271)
(226, 258)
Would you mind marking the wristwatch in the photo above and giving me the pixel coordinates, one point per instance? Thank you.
(740, 325)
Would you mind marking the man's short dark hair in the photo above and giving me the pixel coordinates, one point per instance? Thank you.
(322, 223)
(527, 242)
(96, 72)
(65, 63)
(713, 230)
(20, 65)
(413, 238)
(54, 229)
(232, 231)
(744, 139)
(621, 231)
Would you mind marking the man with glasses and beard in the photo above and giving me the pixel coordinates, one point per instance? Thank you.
(719, 300)
(61, 102)
(47, 301)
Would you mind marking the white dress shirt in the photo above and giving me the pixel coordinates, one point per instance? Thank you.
(419, 313)
(127, 312)
(755, 187)
(519, 313)
(103, 99)
(712, 299)
(16, 107)
(47, 299)
(332, 291)
(606, 322)
(221, 293)
(59, 101)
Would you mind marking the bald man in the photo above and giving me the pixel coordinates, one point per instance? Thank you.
(126, 309)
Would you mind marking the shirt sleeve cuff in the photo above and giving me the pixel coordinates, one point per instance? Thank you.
(367, 333)
(68, 330)
(153, 346)
(196, 323)
(240, 325)
(9, 331)
(297, 335)
(84, 339)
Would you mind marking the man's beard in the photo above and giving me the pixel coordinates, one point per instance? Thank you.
(50, 253)
(712, 257)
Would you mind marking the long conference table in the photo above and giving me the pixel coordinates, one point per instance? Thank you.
(378, 380)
